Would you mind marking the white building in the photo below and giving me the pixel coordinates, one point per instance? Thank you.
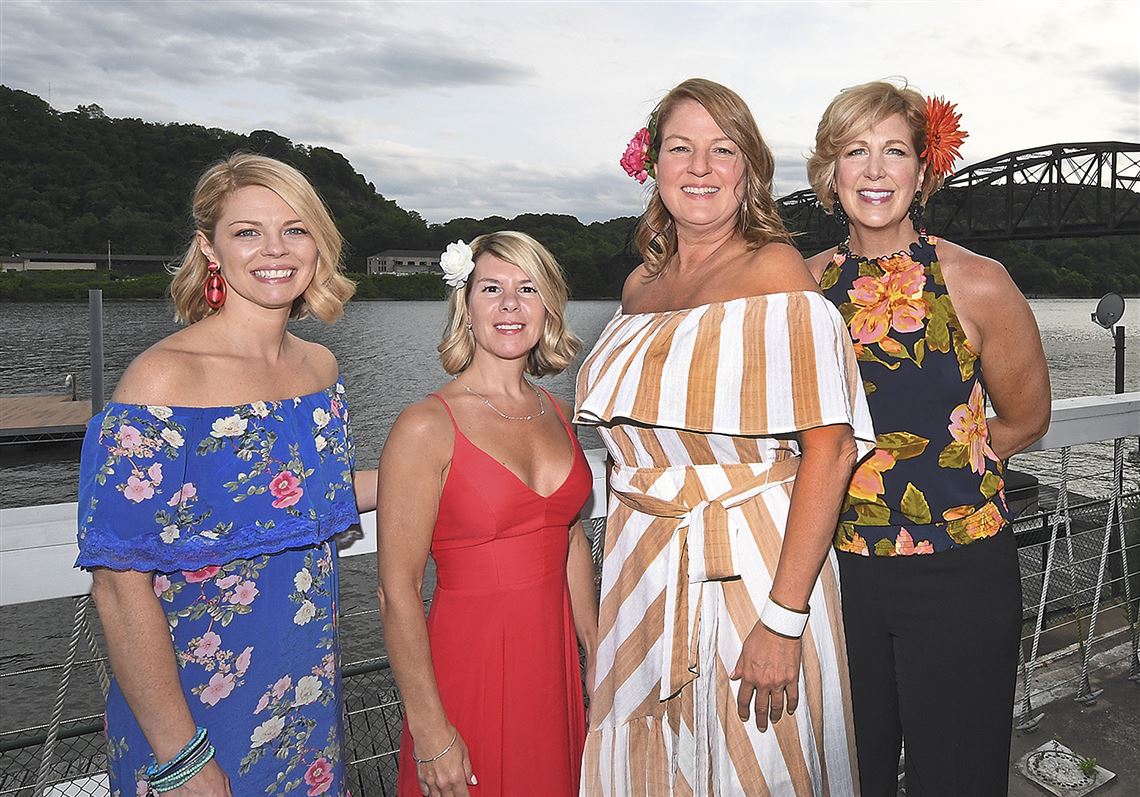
(404, 261)
(45, 262)
(130, 265)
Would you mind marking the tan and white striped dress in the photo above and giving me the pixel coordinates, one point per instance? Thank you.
(699, 409)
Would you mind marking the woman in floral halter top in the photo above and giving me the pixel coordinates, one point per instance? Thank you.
(931, 588)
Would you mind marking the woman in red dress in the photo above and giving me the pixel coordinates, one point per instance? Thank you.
(487, 476)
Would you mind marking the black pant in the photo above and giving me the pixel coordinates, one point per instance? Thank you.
(932, 643)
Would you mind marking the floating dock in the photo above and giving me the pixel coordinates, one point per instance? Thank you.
(42, 418)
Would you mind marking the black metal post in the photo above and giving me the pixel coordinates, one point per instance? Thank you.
(1118, 347)
(95, 331)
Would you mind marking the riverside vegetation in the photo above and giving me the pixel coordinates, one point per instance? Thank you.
(74, 180)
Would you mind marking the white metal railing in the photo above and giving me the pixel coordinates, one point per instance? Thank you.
(38, 543)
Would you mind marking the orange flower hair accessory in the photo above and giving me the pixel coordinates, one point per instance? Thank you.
(943, 136)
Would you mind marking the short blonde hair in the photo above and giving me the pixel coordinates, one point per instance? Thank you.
(759, 221)
(854, 110)
(557, 346)
(329, 289)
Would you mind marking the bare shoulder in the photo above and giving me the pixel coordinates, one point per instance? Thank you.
(974, 276)
(318, 361)
(423, 430)
(817, 264)
(166, 374)
(778, 268)
(637, 280)
(564, 405)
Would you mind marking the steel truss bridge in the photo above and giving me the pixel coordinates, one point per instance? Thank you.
(1059, 191)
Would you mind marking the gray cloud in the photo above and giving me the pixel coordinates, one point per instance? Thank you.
(791, 172)
(323, 51)
(386, 68)
(442, 188)
(1124, 82)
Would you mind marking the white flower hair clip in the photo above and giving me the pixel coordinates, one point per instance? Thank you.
(457, 264)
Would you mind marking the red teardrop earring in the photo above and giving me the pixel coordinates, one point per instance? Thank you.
(215, 287)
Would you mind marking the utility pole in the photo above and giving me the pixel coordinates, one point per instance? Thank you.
(108, 256)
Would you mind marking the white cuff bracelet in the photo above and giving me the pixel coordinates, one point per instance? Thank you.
(782, 620)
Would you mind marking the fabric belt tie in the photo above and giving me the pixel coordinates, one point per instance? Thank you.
(703, 547)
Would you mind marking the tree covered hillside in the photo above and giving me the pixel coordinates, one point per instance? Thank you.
(73, 181)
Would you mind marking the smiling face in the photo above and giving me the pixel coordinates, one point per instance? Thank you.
(267, 256)
(505, 309)
(700, 171)
(877, 174)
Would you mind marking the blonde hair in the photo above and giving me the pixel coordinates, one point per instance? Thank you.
(329, 289)
(854, 110)
(557, 346)
(758, 220)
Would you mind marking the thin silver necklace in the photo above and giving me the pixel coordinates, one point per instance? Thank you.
(500, 413)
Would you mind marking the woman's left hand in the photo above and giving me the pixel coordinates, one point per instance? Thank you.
(769, 673)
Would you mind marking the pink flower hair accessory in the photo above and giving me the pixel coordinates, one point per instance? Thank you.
(640, 158)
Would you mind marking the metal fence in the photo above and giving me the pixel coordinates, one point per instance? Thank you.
(1078, 532)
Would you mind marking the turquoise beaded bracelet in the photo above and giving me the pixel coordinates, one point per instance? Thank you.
(185, 764)
(184, 773)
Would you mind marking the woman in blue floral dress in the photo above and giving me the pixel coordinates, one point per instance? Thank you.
(210, 488)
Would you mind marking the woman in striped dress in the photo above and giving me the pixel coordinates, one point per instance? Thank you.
(727, 393)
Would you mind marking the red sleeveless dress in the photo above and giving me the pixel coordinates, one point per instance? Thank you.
(500, 626)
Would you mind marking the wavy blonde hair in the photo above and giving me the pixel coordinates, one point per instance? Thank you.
(557, 346)
(758, 220)
(330, 288)
(854, 110)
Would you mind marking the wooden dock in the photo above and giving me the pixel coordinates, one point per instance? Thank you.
(42, 418)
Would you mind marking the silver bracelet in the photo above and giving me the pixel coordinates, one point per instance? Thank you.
(441, 753)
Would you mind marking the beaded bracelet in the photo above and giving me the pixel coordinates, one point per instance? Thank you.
(441, 753)
(197, 742)
(180, 776)
(185, 764)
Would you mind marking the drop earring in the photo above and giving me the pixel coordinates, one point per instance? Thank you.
(839, 213)
(916, 211)
(214, 290)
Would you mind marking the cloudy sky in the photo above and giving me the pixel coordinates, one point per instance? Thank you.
(481, 108)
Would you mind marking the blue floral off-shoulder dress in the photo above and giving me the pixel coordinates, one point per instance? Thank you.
(232, 508)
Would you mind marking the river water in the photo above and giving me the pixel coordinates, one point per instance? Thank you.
(387, 357)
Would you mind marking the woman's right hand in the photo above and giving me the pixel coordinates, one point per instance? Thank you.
(769, 672)
(450, 774)
(210, 782)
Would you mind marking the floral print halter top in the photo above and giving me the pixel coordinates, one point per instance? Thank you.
(933, 483)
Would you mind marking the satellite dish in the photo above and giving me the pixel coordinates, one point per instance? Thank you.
(1109, 310)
